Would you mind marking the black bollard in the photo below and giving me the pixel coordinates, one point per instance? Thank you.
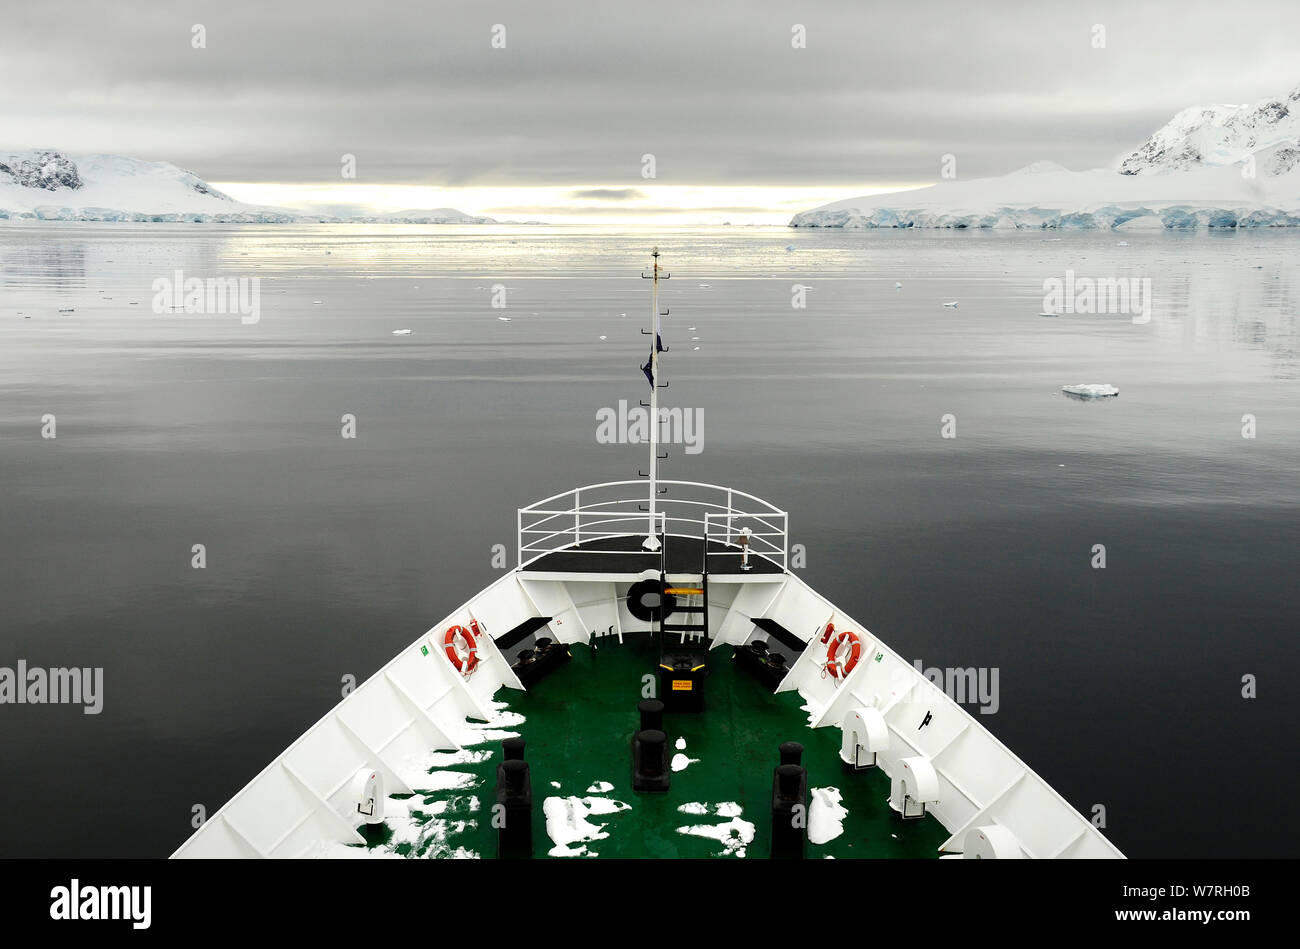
(789, 805)
(514, 749)
(513, 815)
(650, 770)
(791, 752)
(652, 714)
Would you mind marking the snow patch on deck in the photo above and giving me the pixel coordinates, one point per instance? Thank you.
(699, 809)
(497, 728)
(826, 815)
(680, 761)
(568, 827)
(735, 835)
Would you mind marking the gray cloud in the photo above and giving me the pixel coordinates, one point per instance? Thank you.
(583, 90)
(607, 194)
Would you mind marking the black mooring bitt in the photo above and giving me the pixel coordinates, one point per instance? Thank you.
(513, 816)
(789, 804)
(650, 771)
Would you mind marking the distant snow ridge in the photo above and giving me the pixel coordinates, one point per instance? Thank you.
(1212, 166)
(50, 186)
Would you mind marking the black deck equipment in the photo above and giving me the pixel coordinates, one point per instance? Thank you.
(789, 804)
(513, 815)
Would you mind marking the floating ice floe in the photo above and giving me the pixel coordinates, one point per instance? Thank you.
(826, 815)
(401, 332)
(953, 303)
(1095, 390)
(1049, 313)
(504, 319)
(897, 285)
(568, 827)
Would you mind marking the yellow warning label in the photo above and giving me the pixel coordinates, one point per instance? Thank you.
(682, 685)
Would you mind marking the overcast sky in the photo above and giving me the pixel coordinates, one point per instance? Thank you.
(712, 88)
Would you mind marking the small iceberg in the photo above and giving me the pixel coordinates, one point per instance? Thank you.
(1094, 390)
(401, 332)
(953, 303)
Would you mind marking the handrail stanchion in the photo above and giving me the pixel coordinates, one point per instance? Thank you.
(577, 514)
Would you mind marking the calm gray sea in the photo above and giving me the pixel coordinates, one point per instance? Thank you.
(1121, 686)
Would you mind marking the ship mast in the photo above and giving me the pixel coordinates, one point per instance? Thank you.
(651, 369)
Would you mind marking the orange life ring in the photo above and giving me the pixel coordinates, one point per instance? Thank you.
(470, 662)
(835, 667)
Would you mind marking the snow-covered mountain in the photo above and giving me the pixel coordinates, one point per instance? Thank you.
(1216, 166)
(1218, 135)
(51, 186)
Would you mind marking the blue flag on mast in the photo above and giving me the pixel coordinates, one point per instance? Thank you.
(649, 363)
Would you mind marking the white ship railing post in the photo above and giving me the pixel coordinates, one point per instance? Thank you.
(729, 515)
(577, 515)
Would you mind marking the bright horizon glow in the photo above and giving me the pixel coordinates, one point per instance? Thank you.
(646, 203)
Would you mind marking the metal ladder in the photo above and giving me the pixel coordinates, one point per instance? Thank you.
(699, 627)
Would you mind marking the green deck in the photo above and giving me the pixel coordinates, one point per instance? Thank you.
(579, 722)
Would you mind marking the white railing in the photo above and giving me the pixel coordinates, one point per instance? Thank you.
(617, 509)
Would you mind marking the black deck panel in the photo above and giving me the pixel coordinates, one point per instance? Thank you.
(684, 556)
(780, 634)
